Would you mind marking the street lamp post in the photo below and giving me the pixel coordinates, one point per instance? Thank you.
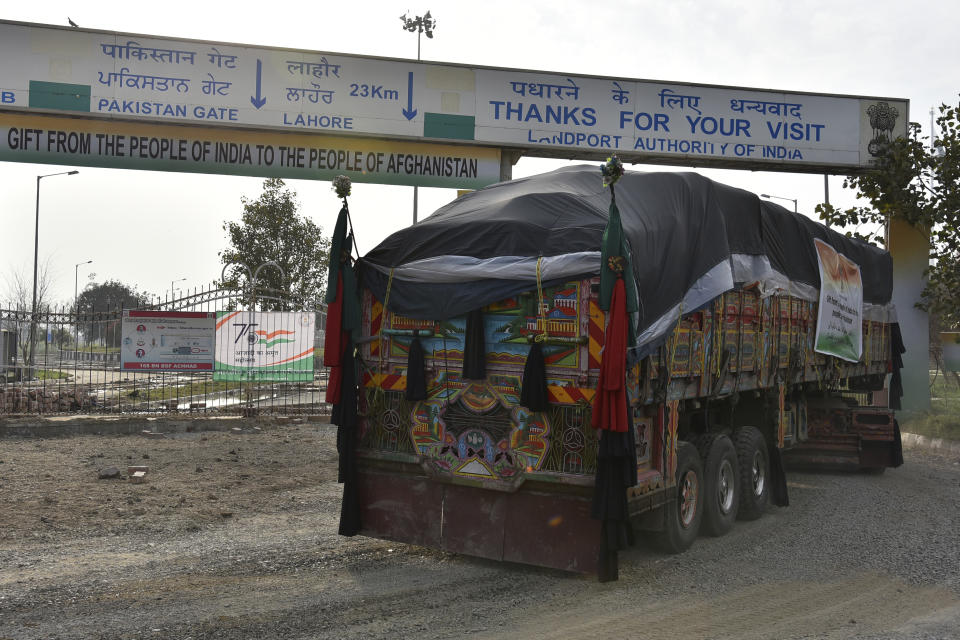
(76, 270)
(76, 307)
(36, 247)
(419, 25)
(793, 200)
(172, 295)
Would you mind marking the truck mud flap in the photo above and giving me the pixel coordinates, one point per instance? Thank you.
(529, 526)
(847, 439)
(839, 452)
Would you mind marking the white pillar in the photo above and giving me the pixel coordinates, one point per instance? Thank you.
(910, 250)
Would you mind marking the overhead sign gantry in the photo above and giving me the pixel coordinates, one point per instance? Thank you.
(86, 97)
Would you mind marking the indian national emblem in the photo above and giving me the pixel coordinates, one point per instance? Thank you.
(883, 117)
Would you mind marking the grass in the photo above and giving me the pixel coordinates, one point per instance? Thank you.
(943, 419)
(51, 374)
(181, 391)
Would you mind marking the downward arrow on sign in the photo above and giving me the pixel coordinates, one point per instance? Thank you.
(258, 100)
(409, 113)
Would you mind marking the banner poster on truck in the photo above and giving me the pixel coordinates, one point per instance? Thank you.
(269, 346)
(167, 340)
(839, 329)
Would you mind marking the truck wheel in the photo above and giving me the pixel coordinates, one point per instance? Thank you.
(721, 473)
(754, 472)
(683, 514)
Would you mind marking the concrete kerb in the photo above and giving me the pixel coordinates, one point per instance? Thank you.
(940, 445)
(66, 426)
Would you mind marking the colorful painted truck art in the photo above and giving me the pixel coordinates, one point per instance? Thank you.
(496, 439)
(725, 382)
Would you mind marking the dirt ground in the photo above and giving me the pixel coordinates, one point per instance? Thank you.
(234, 535)
(52, 491)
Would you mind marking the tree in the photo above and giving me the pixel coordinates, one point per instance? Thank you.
(62, 337)
(20, 295)
(919, 184)
(271, 229)
(110, 296)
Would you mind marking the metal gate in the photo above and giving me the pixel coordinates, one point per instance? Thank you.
(72, 366)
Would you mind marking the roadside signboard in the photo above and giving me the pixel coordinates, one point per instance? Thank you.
(111, 75)
(167, 340)
(265, 345)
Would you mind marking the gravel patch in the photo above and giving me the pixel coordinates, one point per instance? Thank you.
(233, 535)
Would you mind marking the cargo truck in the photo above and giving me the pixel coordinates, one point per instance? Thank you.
(724, 370)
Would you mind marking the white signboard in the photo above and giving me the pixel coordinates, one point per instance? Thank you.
(265, 345)
(670, 120)
(167, 341)
(840, 313)
(106, 74)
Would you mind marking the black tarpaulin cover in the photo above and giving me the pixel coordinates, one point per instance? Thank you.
(690, 240)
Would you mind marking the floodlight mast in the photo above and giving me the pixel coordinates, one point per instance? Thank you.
(418, 24)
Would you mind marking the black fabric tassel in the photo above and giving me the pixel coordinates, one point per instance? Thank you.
(344, 415)
(533, 390)
(416, 377)
(616, 471)
(474, 347)
(897, 446)
(897, 349)
(778, 479)
(336, 251)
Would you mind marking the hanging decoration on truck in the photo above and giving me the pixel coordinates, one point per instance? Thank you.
(342, 329)
(611, 171)
(342, 186)
(617, 456)
(343, 305)
(610, 402)
(474, 347)
(416, 376)
(534, 394)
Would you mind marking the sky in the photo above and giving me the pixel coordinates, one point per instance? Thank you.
(152, 230)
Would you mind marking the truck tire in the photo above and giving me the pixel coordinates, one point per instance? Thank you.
(683, 515)
(754, 461)
(722, 483)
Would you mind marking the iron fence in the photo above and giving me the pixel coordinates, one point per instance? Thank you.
(72, 366)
